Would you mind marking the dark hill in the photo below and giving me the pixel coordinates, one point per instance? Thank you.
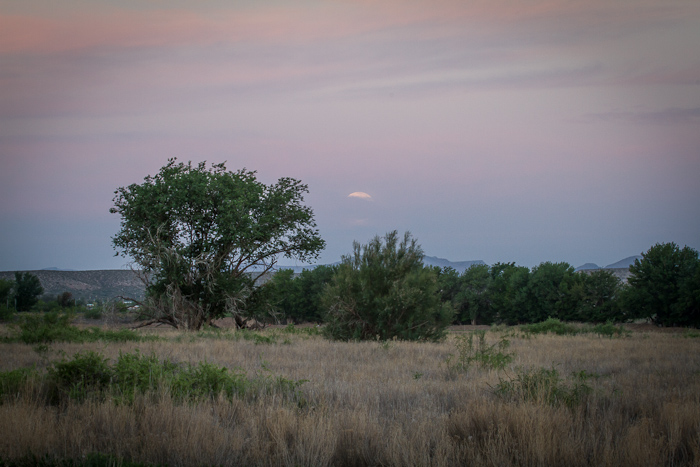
(107, 284)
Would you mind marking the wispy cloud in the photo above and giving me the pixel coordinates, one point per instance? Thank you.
(670, 116)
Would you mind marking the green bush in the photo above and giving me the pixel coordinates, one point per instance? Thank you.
(87, 374)
(12, 382)
(382, 292)
(93, 313)
(551, 325)
(476, 351)
(544, 385)
(610, 330)
(206, 381)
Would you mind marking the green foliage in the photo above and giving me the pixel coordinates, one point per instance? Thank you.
(27, 290)
(297, 297)
(206, 381)
(550, 292)
(383, 291)
(198, 232)
(66, 300)
(665, 286)
(542, 385)
(508, 293)
(135, 373)
(551, 325)
(312, 283)
(598, 295)
(56, 327)
(473, 349)
(472, 302)
(6, 293)
(555, 326)
(6, 314)
(88, 375)
(610, 330)
(12, 382)
(303, 331)
(467, 293)
(93, 313)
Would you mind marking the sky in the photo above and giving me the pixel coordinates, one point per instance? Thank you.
(516, 130)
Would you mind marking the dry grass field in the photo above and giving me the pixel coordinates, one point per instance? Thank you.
(632, 400)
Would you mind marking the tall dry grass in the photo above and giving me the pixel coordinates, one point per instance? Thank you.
(373, 404)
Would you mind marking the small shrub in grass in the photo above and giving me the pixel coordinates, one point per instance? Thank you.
(303, 331)
(610, 330)
(266, 382)
(258, 338)
(87, 374)
(551, 325)
(473, 349)
(207, 381)
(546, 386)
(137, 373)
(93, 313)
(12, 382)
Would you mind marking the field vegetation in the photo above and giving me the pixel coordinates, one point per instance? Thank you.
(564, 395)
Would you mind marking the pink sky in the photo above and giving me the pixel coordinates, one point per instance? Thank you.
(523, 131)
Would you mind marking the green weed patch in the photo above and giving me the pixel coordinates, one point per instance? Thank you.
(89, 375)
(560, 328)
(544, 385)
(46, 328)
(472, 349)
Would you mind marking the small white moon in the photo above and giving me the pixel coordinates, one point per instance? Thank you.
(360, 195)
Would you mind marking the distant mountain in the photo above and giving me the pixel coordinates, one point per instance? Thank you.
(56, 269)
(107, 284)
(623, 263)
(459, 266)
(587, 266)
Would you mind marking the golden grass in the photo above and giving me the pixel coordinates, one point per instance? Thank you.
(373, 404)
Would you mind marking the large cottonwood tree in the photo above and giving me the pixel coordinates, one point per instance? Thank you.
(201, 236)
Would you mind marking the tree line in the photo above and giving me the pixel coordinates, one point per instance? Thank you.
(664, 288)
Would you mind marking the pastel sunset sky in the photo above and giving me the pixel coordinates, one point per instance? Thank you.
(517, 130)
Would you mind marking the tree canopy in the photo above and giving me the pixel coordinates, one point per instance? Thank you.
(665, 286)
(27, 290)
(201, 237)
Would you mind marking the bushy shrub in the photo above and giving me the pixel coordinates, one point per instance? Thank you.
(12, 382)
(383, 291)
(93, 313)
(551, 325)
(473, 349)
(542, 385)
(87, 374)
